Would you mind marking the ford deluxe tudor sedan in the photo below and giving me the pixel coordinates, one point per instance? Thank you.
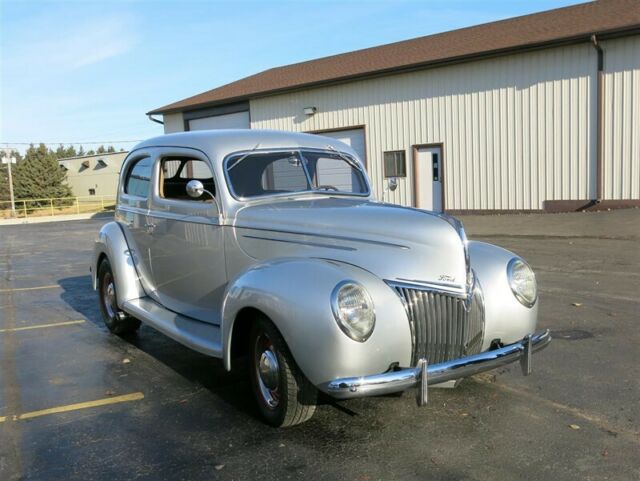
(269, 248)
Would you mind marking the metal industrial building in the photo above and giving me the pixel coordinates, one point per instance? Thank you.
(97, 174)
(539, 112)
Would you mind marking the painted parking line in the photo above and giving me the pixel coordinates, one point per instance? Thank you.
(42, 326)
(18, 289)
(136, 396)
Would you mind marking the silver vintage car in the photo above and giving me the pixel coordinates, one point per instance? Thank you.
(270, 247)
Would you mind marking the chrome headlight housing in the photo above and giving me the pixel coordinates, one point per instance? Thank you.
(353, 310)
(522, 281)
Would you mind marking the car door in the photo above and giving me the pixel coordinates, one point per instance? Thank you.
(132, 212)
(186, 253)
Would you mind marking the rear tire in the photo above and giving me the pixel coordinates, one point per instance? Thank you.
(116, 320)
(285, 397)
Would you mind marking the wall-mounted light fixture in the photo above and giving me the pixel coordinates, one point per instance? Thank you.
(309, 110)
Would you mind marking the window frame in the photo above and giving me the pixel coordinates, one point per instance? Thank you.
(404, 162)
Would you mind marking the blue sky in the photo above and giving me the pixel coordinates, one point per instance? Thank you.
(80, 71)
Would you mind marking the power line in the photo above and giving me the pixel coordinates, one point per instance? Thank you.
(72, 143)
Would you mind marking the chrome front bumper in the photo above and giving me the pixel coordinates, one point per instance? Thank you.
(422, 375)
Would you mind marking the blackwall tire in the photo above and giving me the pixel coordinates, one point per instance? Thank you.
(284, 396)
(116, 320)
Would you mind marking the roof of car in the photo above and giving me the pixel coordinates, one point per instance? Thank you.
(563, 25)
(225, 141)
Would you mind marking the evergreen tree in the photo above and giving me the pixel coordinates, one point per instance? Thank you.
(81, 151)
(90, 152)
(39, 175)
(101, 150)
(63, 152)
(111, 149)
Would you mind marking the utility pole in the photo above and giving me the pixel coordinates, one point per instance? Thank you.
(10, 160)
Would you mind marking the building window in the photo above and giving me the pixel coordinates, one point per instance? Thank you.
(92, 191)
(395, 164)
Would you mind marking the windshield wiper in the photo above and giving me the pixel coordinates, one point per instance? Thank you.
(350, 161)
(240, 159)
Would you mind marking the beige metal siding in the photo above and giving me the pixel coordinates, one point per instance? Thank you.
(173, 123)
(517, 130)
(102, 178)
(621, 152)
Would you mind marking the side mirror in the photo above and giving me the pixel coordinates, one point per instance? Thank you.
(195, 189)
(393, 183)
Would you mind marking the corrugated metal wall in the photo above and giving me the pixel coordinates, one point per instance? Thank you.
(517, 130)
(621, 150)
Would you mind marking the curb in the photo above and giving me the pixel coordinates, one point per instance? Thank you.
(57, 218)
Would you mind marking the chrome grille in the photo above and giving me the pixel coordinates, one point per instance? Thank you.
(443, 326)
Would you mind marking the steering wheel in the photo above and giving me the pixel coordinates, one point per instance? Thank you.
(327, 187)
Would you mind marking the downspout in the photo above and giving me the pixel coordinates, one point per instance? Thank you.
(155, 120)
(599, 117)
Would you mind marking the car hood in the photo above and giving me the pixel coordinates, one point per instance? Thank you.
(394, 242)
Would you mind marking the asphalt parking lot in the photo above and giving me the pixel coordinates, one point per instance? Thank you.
(79, 403)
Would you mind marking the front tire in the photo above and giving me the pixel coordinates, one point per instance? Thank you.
(285, 397)
(116, 320)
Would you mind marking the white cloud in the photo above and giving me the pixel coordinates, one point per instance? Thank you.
(74, 45)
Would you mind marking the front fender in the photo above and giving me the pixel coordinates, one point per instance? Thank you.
(295, 294)
(112, 243)
(505, 318)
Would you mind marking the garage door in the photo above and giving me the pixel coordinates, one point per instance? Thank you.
(237, 120)
(352, 137)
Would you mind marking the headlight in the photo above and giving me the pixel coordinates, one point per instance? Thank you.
(522, 281)
(353, 309)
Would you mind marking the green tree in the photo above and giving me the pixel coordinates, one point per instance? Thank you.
(64, 152)
(101, 150)
(39, 175)
(111, 148)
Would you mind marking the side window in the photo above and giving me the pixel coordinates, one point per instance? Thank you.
(139, 178)
(176, 172)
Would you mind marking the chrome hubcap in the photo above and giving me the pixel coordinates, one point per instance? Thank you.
(109, 297)
(268, 371)
(268, 368)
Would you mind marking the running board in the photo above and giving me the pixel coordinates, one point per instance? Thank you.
(197, 335)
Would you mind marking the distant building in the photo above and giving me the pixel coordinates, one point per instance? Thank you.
(534, 113)
(94, 174)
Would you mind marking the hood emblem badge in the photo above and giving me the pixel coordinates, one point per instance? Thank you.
(446, 278)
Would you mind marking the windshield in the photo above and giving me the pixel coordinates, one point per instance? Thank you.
(268, 173)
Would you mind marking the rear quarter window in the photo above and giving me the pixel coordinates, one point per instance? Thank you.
(139, 178)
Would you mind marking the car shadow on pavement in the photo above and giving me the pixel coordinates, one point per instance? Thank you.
(197, 368)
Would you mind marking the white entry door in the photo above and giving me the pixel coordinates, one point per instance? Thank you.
(354, 138)
(428, 182)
